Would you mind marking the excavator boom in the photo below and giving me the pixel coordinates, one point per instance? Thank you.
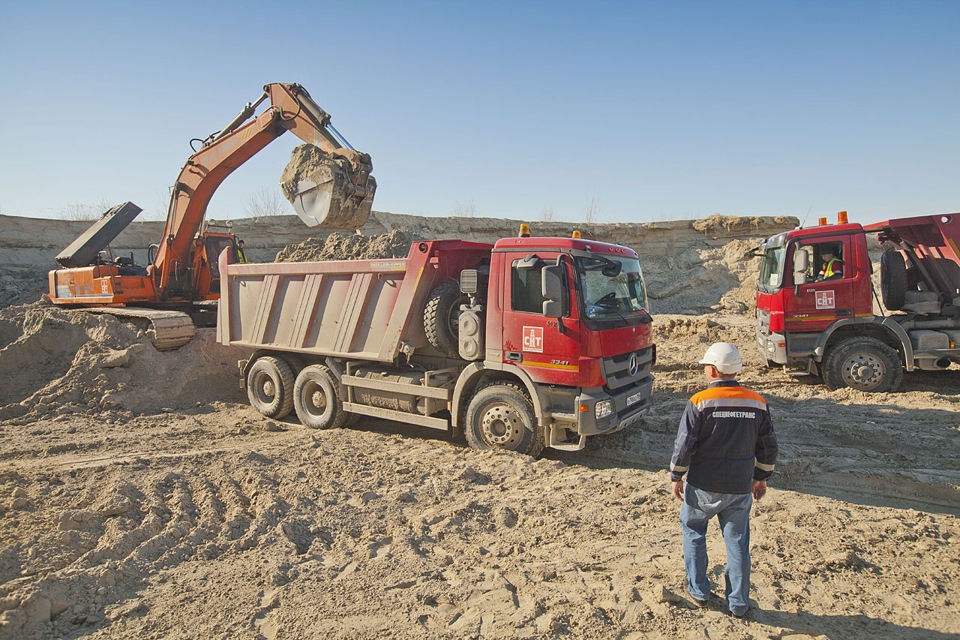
(328, 182)
(337, 179)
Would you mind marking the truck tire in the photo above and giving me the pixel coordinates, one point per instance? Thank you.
(863, 363)
(501, 416)
(441, 317)
(270, 384)
(893, 280)
(317, 400)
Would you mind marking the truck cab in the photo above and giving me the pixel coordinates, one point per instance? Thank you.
(571, 318)
(815, 301)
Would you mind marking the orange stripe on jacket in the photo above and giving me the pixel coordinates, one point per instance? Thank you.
(726, 392)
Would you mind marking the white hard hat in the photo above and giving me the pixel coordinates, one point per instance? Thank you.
(724, 356)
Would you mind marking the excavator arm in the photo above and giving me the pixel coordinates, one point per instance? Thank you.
(340, 196)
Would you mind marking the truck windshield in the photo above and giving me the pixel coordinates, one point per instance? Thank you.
(612, 289)
(771, 269)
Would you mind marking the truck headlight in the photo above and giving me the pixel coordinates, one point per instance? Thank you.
(604, 408)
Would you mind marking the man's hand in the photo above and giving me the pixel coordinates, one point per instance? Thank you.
(759, 489)
(678, 490)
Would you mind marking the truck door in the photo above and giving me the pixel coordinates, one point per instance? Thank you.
(546, 348)
(827, 295)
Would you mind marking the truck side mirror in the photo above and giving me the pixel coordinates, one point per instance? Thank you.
(801, 261)
(551, 286)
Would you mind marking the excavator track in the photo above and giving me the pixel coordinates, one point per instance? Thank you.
(168, 330)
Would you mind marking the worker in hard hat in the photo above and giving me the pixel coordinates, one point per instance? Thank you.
(726, 448)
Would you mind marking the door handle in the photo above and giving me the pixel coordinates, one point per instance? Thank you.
(514, 356)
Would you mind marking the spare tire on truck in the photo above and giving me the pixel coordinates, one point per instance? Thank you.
(441, 317)
(893, 280)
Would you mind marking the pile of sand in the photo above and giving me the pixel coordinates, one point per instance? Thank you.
(61, 362)
(342, 246)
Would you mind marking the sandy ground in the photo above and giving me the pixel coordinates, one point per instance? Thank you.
(141, 497)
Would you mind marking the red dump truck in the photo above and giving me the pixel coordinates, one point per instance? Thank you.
(526, 343)
(816, 313)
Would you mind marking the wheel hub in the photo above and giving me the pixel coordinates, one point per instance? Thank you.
(863, 371)
(317, 400)
(502, 427)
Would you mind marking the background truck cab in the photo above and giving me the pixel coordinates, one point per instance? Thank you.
(825, 323)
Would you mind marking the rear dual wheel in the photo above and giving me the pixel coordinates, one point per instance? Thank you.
(317, 398)
(270, 383)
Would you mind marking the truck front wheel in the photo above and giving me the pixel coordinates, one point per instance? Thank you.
(270, 384)
(501, 416)
(865, 364)
(316, 398)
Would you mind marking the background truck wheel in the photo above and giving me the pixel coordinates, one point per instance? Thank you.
(441, 317)
(270, 384)
(893, 280)
(316, 397)
(501, 416)
(865, 364)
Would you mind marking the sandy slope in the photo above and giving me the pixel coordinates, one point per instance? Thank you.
(141, 497)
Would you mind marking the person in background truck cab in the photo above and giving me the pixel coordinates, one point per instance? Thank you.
(241, 254)
(727, 449)
(832, 265)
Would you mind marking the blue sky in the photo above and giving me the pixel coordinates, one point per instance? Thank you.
(640, 111)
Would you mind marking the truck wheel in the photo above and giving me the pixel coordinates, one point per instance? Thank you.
(501, 416)
(441, 318)
(893, 280)
(316, 398)
(865, 364)
(270, 384)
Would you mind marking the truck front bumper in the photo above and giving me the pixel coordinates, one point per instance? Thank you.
(772, 346)
(616, 411)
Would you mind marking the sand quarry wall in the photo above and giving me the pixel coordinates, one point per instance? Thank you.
(691, 266)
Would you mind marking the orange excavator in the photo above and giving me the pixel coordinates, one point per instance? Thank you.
(331, 187)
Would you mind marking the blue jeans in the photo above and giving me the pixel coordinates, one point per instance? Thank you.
(733, 512)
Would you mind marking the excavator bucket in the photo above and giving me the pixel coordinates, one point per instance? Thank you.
(324, 190)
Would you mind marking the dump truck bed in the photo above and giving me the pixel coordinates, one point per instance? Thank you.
(365, 309)
(935, 243)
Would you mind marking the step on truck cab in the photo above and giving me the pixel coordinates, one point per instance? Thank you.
(815, 300)
(524, 344)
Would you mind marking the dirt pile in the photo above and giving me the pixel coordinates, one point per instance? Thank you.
(342, 246)
(60, 362)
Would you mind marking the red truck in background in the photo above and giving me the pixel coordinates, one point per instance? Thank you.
(526, 343)
(828, 327)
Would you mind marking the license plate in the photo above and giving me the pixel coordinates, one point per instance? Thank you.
(635, 398)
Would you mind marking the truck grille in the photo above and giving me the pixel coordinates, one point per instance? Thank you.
(628, 368)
